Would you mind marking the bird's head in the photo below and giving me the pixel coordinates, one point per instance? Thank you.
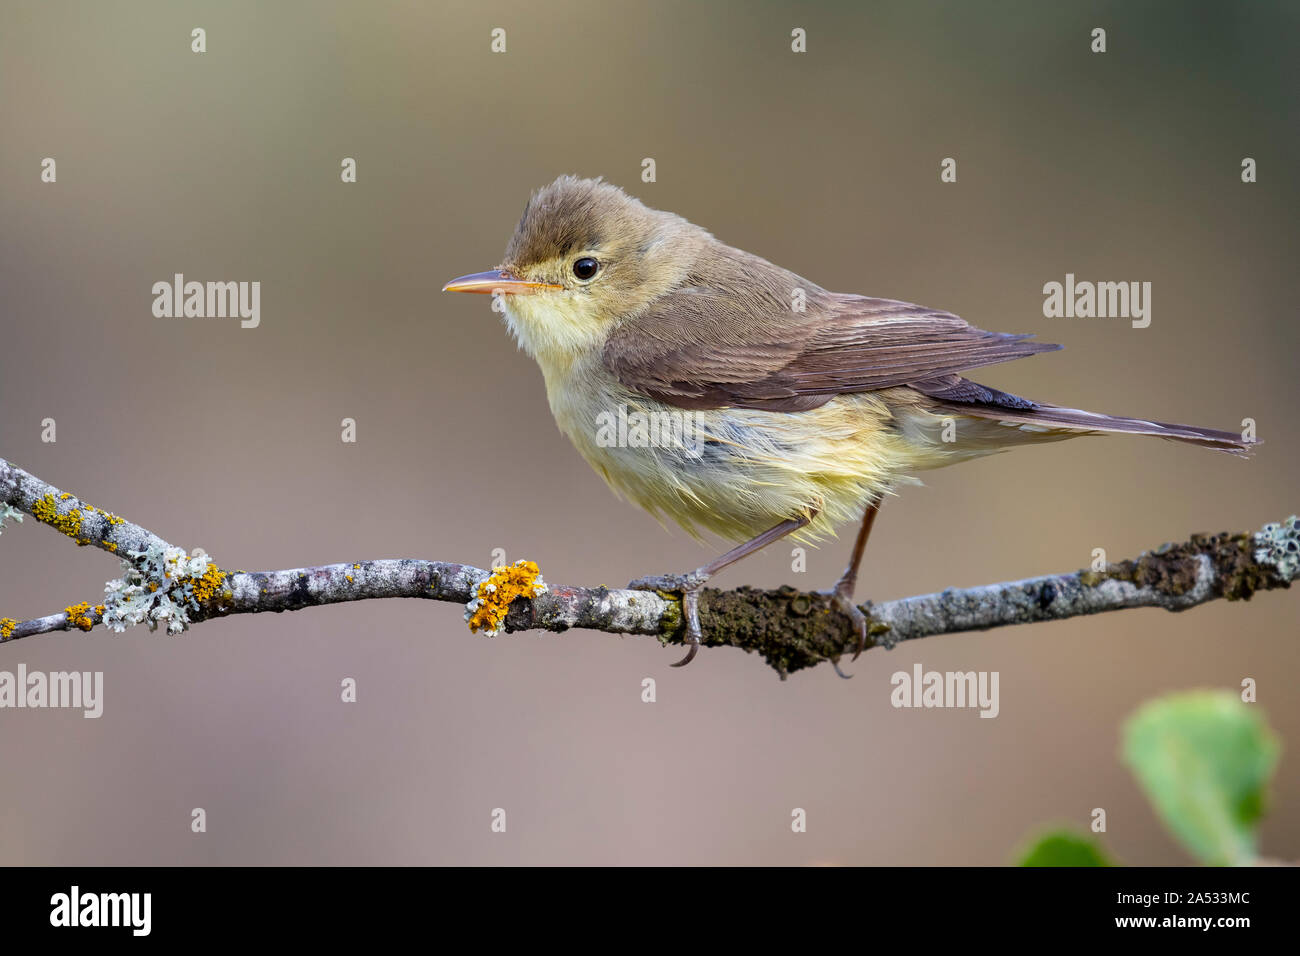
(584, 255)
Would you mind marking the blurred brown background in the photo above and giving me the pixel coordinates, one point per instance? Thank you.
(225, 166)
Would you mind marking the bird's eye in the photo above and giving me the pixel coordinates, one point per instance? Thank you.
(585, 268)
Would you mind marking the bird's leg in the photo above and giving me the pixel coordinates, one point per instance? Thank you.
(689, 584)
(842, 593)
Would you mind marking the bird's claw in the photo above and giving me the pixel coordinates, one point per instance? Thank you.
(690, 655)
(843, 601)
(688, 586)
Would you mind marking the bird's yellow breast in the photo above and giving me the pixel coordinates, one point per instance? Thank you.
(735, 472)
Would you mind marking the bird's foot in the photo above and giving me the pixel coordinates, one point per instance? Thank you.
(688, 586)
(841, 597)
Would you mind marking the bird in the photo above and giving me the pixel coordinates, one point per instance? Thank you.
(803, 407)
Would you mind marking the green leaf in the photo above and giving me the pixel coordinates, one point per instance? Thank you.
(1204, 759)
(1065, 848)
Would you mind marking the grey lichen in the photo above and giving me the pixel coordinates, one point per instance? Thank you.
(162, 585)
(7, 512)
(1278, 545)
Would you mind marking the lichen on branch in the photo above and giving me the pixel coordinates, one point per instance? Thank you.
(790, 629)
(487, 610)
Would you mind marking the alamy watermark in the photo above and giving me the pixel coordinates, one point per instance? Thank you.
(128, 910)
(661, 429)
(83, 690)
(973, 689)
(208, 300)
(1099, 300)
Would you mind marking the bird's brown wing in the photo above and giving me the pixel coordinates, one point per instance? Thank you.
(698, 348)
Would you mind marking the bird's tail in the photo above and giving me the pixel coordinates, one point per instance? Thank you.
(1056, 421)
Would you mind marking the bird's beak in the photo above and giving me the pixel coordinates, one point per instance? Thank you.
(494, 282)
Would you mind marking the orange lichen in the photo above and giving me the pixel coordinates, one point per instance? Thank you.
(487, 612)
(208, 585)
(7, 626)
(79, 616)
(47, 511)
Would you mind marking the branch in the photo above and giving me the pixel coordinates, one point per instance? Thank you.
(791, 629)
